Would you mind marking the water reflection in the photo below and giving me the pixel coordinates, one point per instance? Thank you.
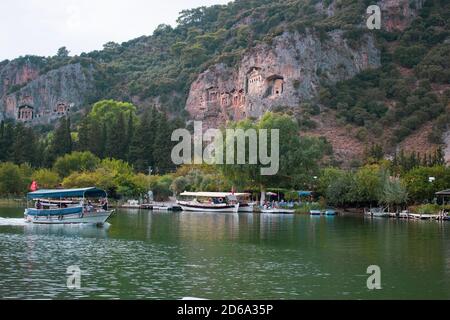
(168, 255)
(84, 231)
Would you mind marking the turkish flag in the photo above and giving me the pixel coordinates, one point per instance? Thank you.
(34, 186)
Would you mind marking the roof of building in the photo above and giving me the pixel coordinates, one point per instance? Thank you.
(25, 106)
(443, 193)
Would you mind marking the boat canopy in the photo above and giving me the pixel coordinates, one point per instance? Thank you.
(66, 193)
(443, 193)
(213, 194)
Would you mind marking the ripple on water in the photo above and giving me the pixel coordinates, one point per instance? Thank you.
(12, 222)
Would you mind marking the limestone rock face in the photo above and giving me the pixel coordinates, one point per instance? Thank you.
(30, 97)
(398, 14)
(284, 74)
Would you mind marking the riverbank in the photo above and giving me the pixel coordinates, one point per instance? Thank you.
(13, 202)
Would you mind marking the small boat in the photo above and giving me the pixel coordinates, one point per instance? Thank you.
(247, 207)
(245, 203)
(377, 212)
(277, 211)
(330, 212)
(209, 202)
(68, 206)
(161, 208)
(404, 214)
(315, 212)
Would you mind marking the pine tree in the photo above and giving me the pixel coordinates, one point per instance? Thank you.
(62, 140)
(3, 144)
(24, 145)
(439, 157)
(6, 141)
(84, 135)
(163, 144)
(130, 134)
(116, 144)
(141, 149)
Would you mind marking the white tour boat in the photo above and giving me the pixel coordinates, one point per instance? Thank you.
(277, 210)
(68, 206)
(208, 202)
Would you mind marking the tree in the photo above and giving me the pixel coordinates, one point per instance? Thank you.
(116, 145)
(162, 146)
(24, 145)
(394, 193)
(419, 186)
(62, 139)
(367, 185)
(107, 111)
(339, 191)
(298, 156)
(76, 161)
(141, 150)
(6, 137)
(46, 178)
(62, 52)
(12, 180)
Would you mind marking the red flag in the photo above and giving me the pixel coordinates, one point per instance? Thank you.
(34, 186)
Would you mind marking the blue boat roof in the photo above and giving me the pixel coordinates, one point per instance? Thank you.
(67, 193)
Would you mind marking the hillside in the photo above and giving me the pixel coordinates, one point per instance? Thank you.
(314, 59)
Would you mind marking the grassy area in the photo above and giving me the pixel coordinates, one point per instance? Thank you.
(12, 202)
(428, 208)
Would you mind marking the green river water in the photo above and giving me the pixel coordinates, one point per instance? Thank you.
(145, 255)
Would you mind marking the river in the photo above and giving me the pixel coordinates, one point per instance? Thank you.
(145, 255)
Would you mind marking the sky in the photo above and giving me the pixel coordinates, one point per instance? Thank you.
(41, 27)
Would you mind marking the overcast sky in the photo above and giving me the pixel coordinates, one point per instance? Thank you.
(40, 27)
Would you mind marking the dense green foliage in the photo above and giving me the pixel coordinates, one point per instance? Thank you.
(372, 185)
(299, 156)
(394, 95)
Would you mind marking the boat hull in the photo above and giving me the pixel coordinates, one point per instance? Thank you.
(161, 208)
(246, 208)
(197, 208)
(98, 218)
(278, 211)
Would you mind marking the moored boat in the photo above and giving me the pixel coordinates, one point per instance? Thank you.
(377, 212)
(315, 212)
(277, 211)
(68, 206)
(209, 202)
(161, 208)
(245, 203)
(330, 212)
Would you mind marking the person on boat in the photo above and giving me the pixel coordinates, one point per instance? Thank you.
(90, 206)
(105, 204)
(39, 205)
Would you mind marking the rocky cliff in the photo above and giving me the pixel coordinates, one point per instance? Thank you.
(398, 14)
(28, 96)
(285, 73)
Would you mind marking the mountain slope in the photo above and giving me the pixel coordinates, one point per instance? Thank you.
(239, 60)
